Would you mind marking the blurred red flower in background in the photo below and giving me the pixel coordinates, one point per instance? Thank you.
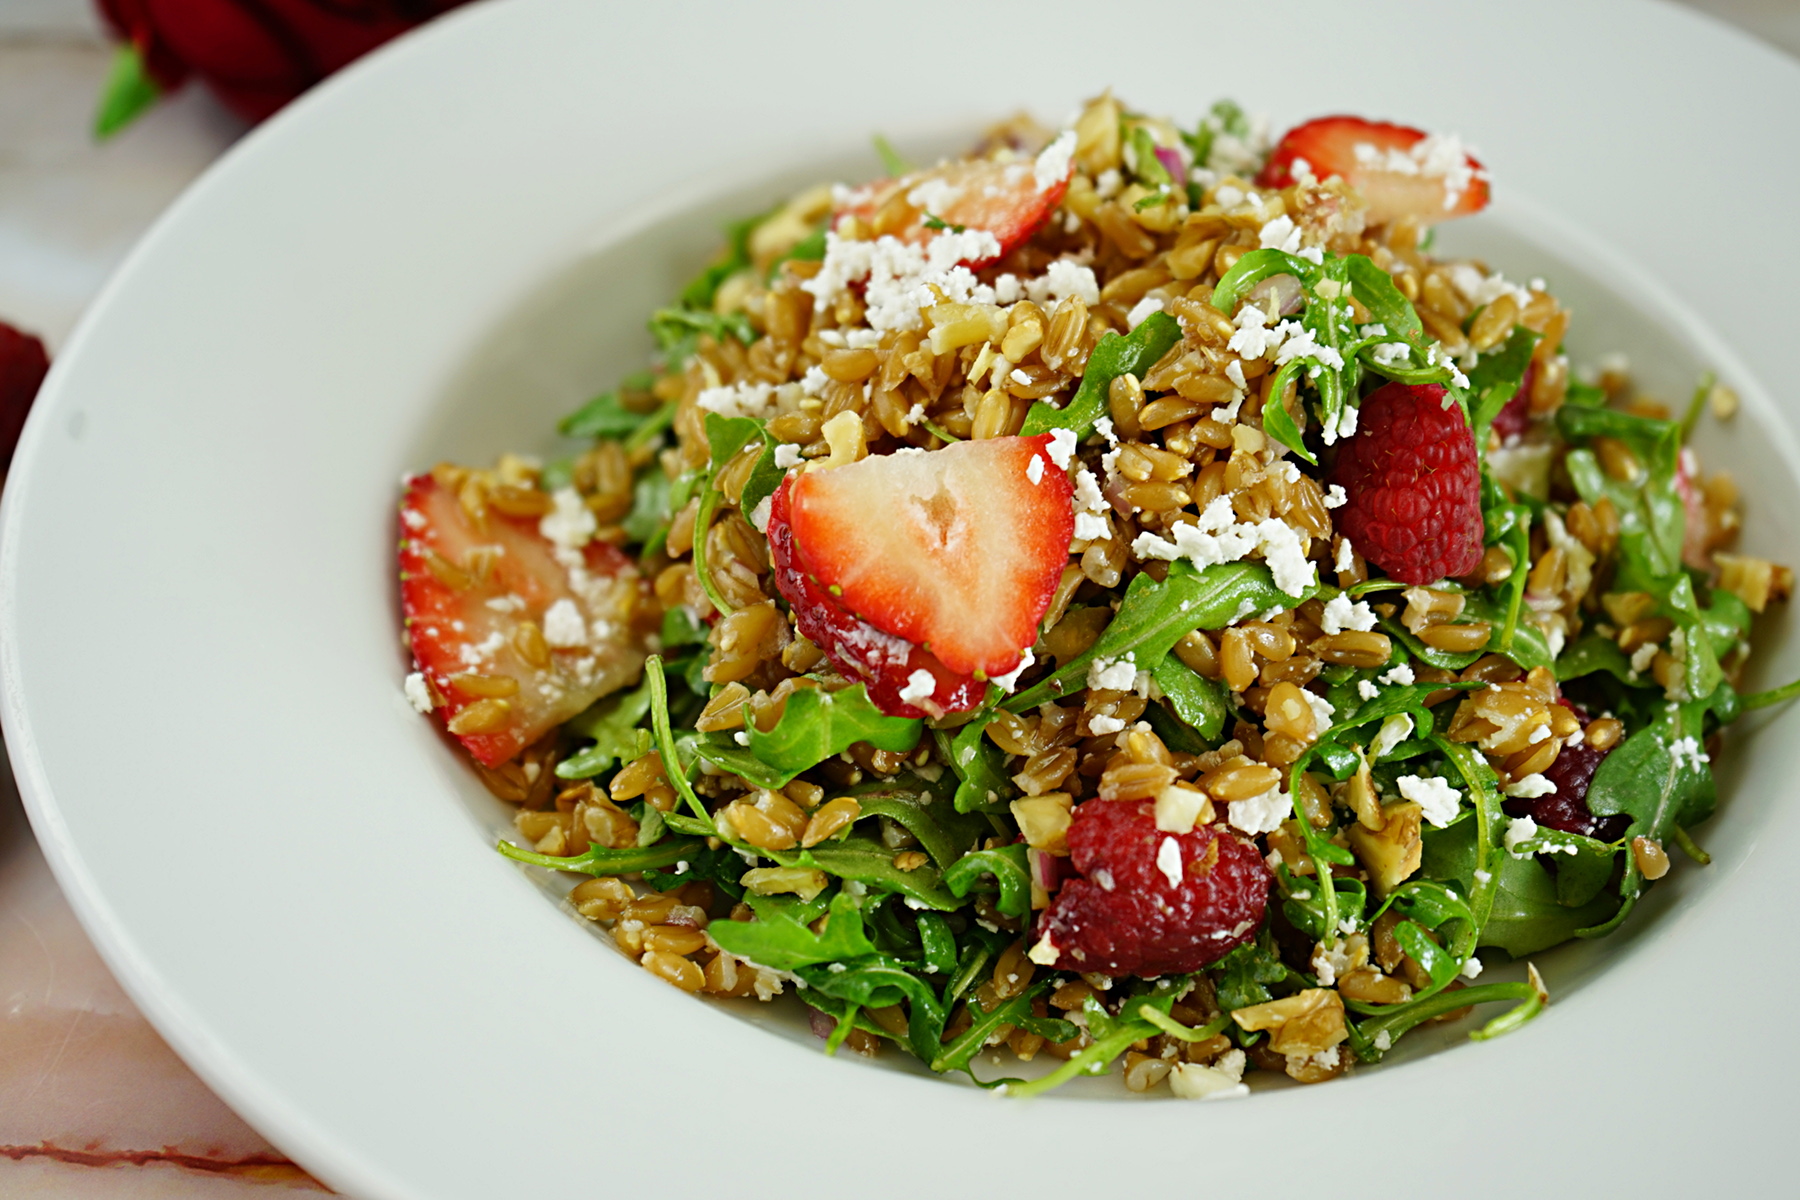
(255, 54)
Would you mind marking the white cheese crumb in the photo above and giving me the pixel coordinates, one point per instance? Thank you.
(1437, 798)
(787, 455)
(1687, 750)
(1367, 689)
(1102, 726)
(759, 516)
(1519, 831)
(920, 685)
(1061, 449)
(1472, 968)
(563, 626)
(1010, 680)
(571, 524)
(1341, 614)
(1195, 1081)
(1034, 470)
(1322, 709)
(1113, 674)
(1052, 164)
(1168, 861)
(1393, 731)
(417, 694)
(1384, 1041)
(1335, 497)
(1141, 311)
(1402, 673)
(739, 400)
(1530, 787)
(1260, 814)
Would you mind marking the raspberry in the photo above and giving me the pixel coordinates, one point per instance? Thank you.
(1566, 808)
(1122, 917)
(23, 365)
(1413, 485)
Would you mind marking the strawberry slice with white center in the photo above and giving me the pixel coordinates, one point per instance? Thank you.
(1400, 171)
(512, 632)
(1010, 200)
(956, 551)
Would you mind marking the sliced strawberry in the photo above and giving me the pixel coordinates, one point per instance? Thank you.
(957, 550)
(1005, 199)
(499, 616)
(1400, 171)
(884, 663)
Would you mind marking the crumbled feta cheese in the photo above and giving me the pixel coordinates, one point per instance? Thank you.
(1280, 234)
(417, 693)
(563, 626)
(1034, 470)
(1442, 156)
(1090, 528)
(1530, 787)
(1335, 497)
(1061, 279)
(787, 455)
(1142, 310)
(900, 276)
(1052, 164)
(759, 516)
(1168, 861)
(1644, 655)
(571, 523)
(1367, 689)
(1402, 673)
(1322, 709)
(1434, 796)
(1104, 726)
(920, 685)
(1112, 674)
(1010, 680)
(1687, 751)
(739, 400)
(1341, 614)
(1518, 832)
(1108, 183)
(1391, 354)
(1234, 371)
(1393, 731)
(1061, 450)
(1260, 814)
(1384, 1041)
(1472, 968)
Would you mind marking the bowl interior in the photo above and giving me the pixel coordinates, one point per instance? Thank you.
(582, 327)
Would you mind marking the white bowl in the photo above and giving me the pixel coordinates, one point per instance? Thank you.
(451, 244)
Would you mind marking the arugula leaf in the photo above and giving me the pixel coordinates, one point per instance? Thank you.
(1526, 915)
(876, 981)
(962, 1049)
(867, 860)
(818, 724)
(1153, 616)
(650, 511)
(891, 161)
(1252, 269)
(598, 860)
(1241, 978)
(723, 752)
(1007, 865)
(606, 415)
(700, 292)
(1590, 653)
(1496, 378)
(783, 942)
(1197, 700)
(1114, 355)
(613, 724)
(765, 477)
(1387, 304)
(937, 943)
(916, 809)
(983, 784)
(1112, 1035)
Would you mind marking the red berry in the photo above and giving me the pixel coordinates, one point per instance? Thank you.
(884, 662)
(1413, 485)
(1566, 807)
(23, 365)
(1122, 916)
(1003, 198)
(1386, 164)
(952, 553)
(469, 586)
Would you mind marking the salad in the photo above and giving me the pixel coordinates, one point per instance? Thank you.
(1114, 598)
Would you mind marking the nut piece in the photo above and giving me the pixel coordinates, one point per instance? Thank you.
(1308, 1022)
(1392, 853)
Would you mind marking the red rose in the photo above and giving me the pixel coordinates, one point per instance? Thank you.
(256, 54)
